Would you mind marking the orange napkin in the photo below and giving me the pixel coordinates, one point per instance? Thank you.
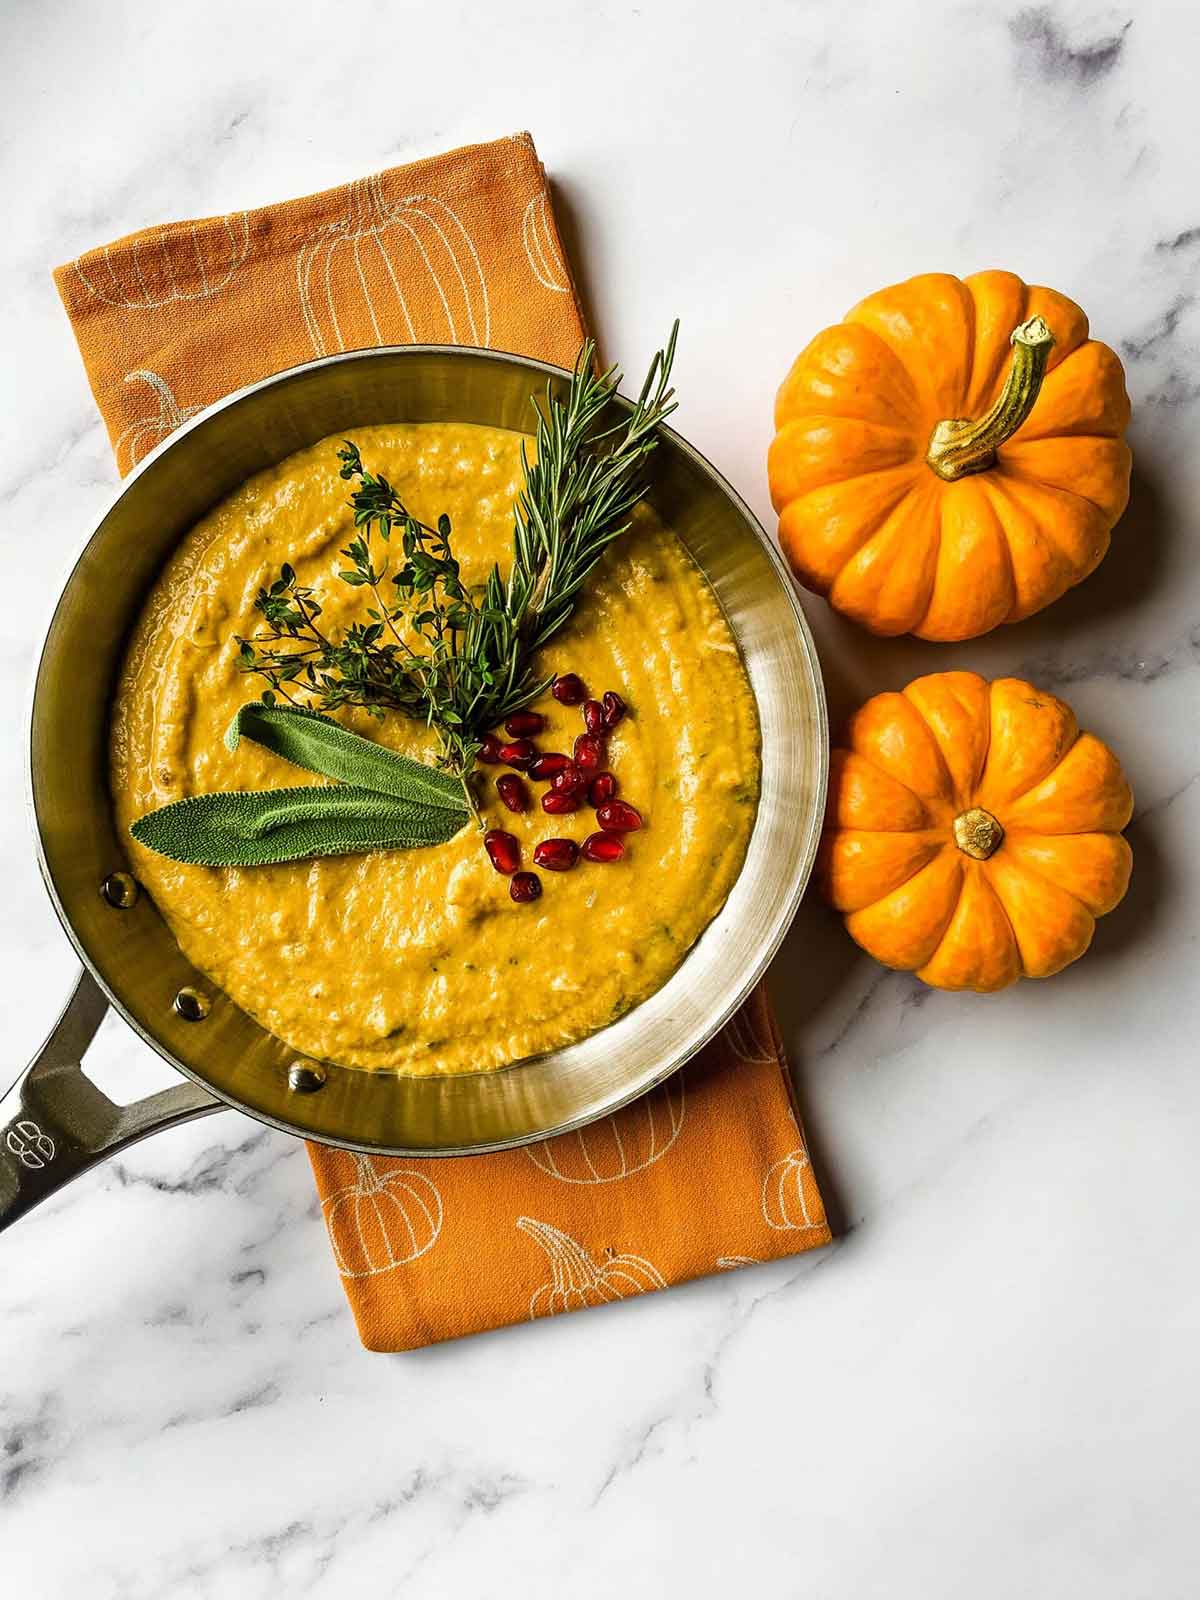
(708, 1171)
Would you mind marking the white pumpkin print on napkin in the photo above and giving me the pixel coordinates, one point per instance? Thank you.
(383, 1220)
(163, 268)
(742, 1032)
(617, 1146)
(784, 1203)
(144, 432)
(577, 1280)
(541, 246)
(349, 275)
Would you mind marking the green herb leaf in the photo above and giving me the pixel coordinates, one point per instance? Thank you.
(319, 744)
(260, 828)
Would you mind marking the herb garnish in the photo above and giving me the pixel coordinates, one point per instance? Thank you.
(458, 659)
(379, 800)
(262, 827)
(319, 744)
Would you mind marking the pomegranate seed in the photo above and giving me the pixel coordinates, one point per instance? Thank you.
(513, 792)
(593, 716)
(489, 751)
(614, 710)
(524, 724)
(569, 781)
(556, 855)
(568, 689)
(616, 817)
(559, 805)
(589, 752)
(524, 887)
(519, 754)
(602, 787)
(548, 765)
(503, 850)
(602, 847)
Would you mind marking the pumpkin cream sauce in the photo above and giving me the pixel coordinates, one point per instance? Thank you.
(418, 960)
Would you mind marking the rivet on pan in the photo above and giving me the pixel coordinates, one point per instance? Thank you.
(192, 1005)
(121, 890)
(306, 1077)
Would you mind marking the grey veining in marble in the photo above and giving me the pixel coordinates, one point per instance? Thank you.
(988, 1386)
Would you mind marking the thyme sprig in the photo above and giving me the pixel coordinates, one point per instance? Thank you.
(460, 659)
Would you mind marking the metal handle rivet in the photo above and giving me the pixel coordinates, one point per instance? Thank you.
(192, 1005)
(306, 1077)
(121, 890)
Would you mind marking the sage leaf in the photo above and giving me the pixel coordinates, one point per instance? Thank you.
(319, 744)
(262, 827)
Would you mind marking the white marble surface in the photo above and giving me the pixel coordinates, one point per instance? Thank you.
(988, 1386)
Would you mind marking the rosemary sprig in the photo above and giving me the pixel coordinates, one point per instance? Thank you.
(458, 659)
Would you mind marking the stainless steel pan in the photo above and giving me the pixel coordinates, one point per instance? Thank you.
(54, 1123)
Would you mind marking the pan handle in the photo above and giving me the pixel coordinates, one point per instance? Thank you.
(55, 1123)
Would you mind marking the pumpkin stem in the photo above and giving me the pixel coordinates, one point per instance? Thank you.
(368, 1178)
(572, 1267)
(958, 447)
(977, 833)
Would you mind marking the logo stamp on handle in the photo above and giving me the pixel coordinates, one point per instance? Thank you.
(32, 1147)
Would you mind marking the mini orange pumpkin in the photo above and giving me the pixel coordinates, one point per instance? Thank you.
(973, 834)
(950, 456)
